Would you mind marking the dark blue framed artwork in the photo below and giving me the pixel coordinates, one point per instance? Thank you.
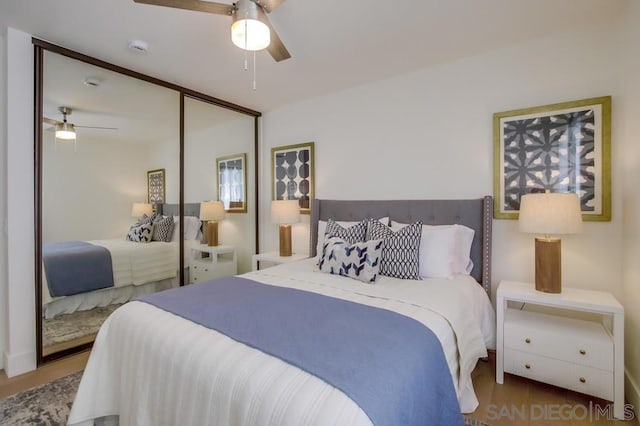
(563, 147)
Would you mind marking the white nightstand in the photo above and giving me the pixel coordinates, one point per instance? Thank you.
(209, 262)
(577, 354)
(274, 257)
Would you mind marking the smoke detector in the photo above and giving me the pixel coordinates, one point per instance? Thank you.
(139, 46)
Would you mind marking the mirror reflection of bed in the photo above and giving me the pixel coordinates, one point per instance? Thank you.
(89, 188)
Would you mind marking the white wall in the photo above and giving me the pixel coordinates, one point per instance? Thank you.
(428, 134)
(87, 195)
(630, 164)
(20, 341)
(3, 200)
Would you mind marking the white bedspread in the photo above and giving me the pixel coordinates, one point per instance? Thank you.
(134, 263)
(151, 367)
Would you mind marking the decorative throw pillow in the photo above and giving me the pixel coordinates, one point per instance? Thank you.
(145, 219)
(400, 250)
(140, 232)
(360, 261)
(163, 229)
(353, 234)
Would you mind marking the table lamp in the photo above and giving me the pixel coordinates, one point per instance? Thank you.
(549, 214)
(284, 213)
(211, 212)
(140, 209)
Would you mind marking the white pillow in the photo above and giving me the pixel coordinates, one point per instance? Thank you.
(444, 249)
(191, 228)
(322, 227)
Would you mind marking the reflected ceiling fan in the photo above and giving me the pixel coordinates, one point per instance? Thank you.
(250, 30)
(65, 130)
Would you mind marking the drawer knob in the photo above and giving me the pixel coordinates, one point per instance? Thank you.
(583, 352)
(527, 340)
(583, 380)
(527, 366)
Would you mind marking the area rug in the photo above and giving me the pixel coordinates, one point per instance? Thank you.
(50, 404)
(73, 326)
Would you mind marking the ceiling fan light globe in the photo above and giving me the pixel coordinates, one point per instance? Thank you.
(250, 34)
(65, 131)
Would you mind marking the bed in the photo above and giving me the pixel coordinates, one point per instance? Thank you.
(151, 366)
(136, 268)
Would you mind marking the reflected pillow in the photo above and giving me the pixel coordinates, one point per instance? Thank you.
(360, 261)
(140, 232)
(163, 229)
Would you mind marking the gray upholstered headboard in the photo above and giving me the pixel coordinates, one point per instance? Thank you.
(476, 214)
(190, 209)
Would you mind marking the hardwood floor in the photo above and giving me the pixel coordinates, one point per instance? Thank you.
(44, 374)
(517, 402)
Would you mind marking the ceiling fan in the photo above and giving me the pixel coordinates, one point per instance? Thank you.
(65, 130)
(250, 30)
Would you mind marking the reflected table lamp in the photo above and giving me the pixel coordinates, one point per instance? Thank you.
(549, 214)
(140, 209)
(211, 212)
(284, 213)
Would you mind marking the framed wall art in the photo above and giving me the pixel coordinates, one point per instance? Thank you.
(232, 182)
(155, 186)
(563, 147)
(292, 174)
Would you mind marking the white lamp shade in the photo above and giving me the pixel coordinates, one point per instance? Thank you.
(550, 214)
(140, 209)
(284, 212)
(65, 131)
(211, 210)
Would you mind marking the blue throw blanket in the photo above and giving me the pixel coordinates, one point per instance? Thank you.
(392, 366)
(74, 267)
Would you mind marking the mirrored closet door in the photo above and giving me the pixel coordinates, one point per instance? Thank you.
(109, 153)
(219, 184)
(124, 163)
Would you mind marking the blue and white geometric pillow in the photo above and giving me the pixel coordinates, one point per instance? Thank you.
(360, 260)
(163, 229)
(354, 234)
(400, 250)
(140, 232)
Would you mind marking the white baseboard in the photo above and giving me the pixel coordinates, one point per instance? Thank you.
(16, 364)
(632, 392)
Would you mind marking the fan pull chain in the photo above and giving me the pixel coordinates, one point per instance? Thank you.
(246, 37)
(254, 70)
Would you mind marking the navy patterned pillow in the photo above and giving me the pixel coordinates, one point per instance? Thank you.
(163, 229)
(400, 249)
(140, 232)
(353, 234)
(360, 261)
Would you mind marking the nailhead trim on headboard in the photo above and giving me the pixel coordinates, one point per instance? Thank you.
(486, 243)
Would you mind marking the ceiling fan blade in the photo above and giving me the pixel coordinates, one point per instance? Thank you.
(197, 5)
(50, 121)
(95, 127)
(269, 5)
(276, 48)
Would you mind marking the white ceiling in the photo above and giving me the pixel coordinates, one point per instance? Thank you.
(334, 44)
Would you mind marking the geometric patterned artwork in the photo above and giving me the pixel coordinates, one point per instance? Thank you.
(155, 186)
(292, 174)
(562, 148)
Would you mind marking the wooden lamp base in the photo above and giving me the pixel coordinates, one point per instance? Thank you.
(212, 233)
(548, 265)
(285, 240)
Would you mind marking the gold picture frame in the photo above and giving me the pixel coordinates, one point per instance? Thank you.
(232, 182)
(292, 174)
(563, 147)
(156, 193)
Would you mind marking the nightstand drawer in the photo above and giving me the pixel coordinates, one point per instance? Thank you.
(591, 381)
(204, 271)
(575, 341)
